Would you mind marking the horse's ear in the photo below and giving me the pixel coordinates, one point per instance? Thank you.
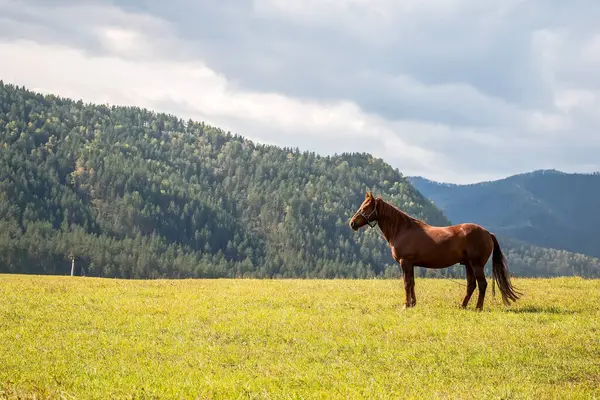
(369, 195)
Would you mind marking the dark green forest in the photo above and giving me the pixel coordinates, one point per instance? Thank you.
(132, 193)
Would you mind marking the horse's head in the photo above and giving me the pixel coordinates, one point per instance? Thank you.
(366, 214)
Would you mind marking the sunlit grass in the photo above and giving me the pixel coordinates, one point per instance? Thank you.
(102, 338)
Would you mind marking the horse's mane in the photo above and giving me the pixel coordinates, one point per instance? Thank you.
(394, 219)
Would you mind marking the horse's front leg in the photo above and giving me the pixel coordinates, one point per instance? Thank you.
(408, 274)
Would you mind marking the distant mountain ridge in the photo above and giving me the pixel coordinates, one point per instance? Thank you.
(547, 208)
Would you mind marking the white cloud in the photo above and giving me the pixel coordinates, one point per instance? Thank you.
(195, 90)
(124, 42)
(572, 99)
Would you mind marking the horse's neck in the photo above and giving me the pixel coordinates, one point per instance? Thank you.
(394, 222)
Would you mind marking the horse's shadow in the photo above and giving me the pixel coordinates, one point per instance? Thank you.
(541, 310)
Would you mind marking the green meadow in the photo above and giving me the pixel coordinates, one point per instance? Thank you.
(79, 337)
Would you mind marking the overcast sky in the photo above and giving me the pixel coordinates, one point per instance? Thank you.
(453, 90)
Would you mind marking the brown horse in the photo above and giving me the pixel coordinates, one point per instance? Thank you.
(417, 244)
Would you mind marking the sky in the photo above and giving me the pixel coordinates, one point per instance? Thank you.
(453, 90)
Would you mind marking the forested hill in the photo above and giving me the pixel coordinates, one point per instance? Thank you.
(132, 193)
(546, 208)
(138, 194)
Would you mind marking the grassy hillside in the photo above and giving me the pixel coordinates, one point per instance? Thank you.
(136, 194)
(545, 208)
(98, 338)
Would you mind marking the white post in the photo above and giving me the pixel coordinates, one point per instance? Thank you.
(72, 266)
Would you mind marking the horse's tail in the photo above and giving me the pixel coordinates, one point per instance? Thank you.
(501, 275)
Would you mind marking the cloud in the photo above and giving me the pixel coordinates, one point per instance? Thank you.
(193, 90)
(454, 90)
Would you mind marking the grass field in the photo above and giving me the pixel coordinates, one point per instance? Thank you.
(100, 338)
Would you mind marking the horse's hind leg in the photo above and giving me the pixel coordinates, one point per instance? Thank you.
(482, 285)
(471, 285)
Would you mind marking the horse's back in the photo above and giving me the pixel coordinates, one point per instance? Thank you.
(472, 228)
(462, 230)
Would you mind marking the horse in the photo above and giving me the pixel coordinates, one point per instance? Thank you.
(414, 243)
